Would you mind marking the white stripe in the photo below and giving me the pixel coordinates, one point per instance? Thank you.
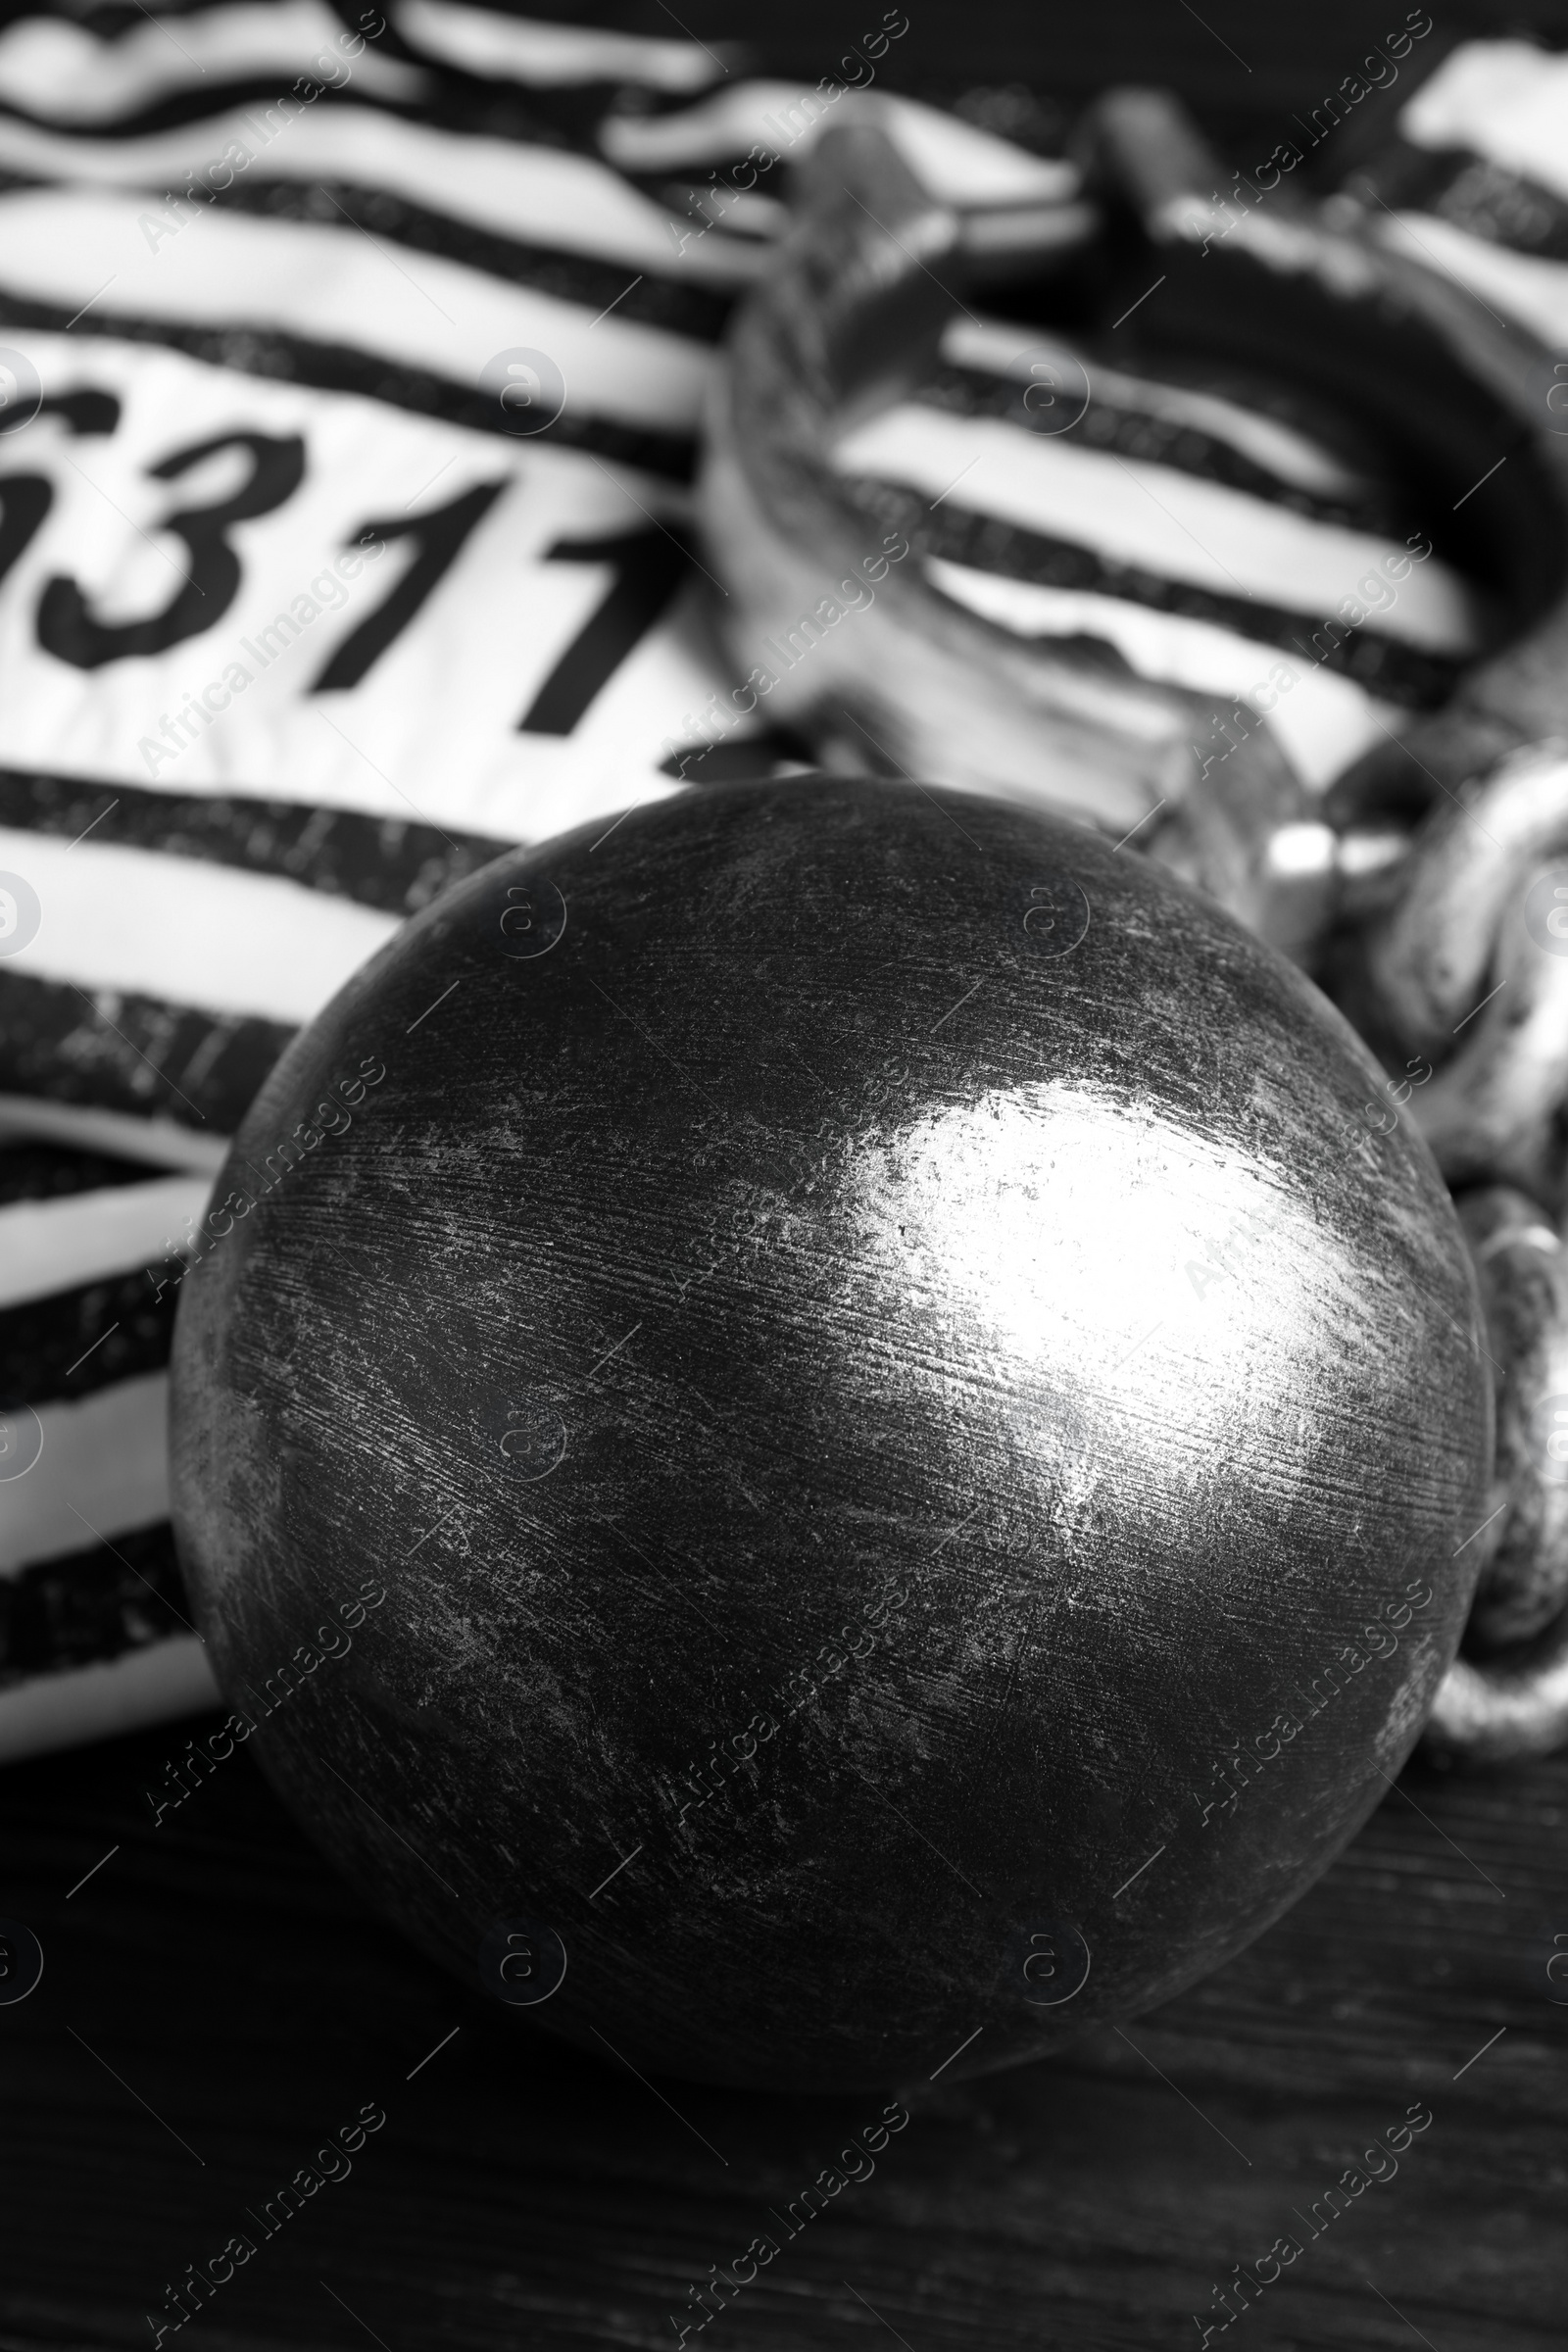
(1505, 100)
(955, 163)
(60, 71)
(1154, 516)
(157, 1683)
(340, 285)
(1323, 721)
(958, 164)
(1000, 349)
(48, 1246)
(104, 1469)
(154, 1142)
(187, 931)
(1530, 291)
(535, 194)
(480, 41)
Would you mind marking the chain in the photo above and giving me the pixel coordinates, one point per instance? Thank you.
(1449, 953)
(1460, 964)
(1447, 947)
(1510, 1696)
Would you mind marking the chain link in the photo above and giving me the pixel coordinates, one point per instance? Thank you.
(1449, 949)
(1468, 965)
(1522, 1270)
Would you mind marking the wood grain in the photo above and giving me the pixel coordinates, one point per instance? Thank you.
(520, 2196)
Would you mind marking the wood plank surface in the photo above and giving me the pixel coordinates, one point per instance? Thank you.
(216, 2002)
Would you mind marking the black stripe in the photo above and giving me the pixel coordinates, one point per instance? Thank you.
(1383, 665)
(546, 111)
(566, 119)
(1473, 193)
(698, 312)
(385, 863)
(91, 1605)
(43, 1171)
(1186, 448)
(132, 1053)
(564, 116)
(758, 755)
(190, 102)
(56, 1348)
(109, 21)
(335, 367)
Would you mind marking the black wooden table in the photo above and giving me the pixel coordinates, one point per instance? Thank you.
(216, 2003)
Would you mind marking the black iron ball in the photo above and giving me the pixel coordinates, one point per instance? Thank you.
(829, 1437)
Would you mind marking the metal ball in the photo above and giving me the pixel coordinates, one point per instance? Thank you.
(830, 1437)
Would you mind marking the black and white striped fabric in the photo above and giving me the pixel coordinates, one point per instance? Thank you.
(298, 622)
(351, 369)
(92, 1634)
(351, 372)
(1201, 536)
(1475, 181)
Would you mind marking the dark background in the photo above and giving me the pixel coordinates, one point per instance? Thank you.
(214, 2001)
(1243, 68)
